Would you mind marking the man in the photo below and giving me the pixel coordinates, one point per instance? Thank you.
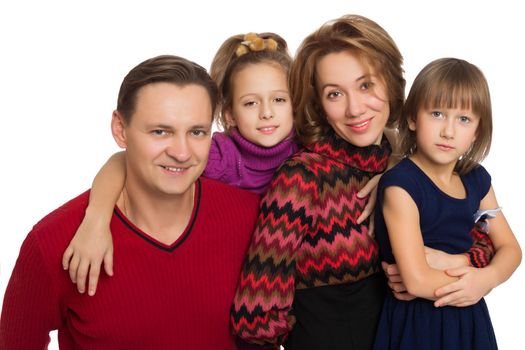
(179, 239)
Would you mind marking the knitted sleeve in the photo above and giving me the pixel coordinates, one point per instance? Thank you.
(30, 310)
(261, 311)
(482, 250)
(222, 160)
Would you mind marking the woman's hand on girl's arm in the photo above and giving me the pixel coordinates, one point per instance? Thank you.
(370, 189)
(436, 259)
(395, 282)
(371, 186)
(480, 281)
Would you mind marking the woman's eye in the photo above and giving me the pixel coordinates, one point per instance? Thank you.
(366, 85)
(334, 94)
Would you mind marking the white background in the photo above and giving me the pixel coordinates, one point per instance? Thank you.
(62, 62)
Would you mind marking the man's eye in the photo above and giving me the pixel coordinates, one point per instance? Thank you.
(159, 132)
(199, 133)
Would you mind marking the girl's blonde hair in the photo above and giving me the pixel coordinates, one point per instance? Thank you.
(364, 38)
(450, 83)
(239, 51)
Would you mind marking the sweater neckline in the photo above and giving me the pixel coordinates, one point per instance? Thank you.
(373, 158)
(262, 158)
(150, 239)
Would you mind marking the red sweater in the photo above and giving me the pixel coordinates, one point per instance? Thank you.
(160, 297)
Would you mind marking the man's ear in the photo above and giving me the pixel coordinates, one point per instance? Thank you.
(118, 129)
(229, 118)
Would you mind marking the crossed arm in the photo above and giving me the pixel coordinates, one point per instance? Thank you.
(92, 246)
(471, 282)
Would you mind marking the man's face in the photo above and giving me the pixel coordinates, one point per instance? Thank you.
(168, 139)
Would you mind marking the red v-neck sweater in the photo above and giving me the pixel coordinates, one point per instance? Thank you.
(160, 297)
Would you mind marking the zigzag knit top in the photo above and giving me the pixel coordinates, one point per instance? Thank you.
(306, 235)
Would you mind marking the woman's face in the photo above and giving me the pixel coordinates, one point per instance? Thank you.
(353, 98)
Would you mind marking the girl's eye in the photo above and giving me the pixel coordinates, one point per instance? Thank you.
(280, 99)
(437, 114)
(464, 119)
(249, 103)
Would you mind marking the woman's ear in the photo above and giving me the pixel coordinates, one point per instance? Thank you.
(118, 129)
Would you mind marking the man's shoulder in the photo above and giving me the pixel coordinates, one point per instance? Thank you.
(50, 236)
(67, 217)
(219, 189)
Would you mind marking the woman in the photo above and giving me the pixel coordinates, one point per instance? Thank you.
(311, 280)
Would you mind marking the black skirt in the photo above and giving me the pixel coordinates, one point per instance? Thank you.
(337, 317)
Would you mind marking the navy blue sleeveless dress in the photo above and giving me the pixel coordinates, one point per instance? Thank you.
(445, 225)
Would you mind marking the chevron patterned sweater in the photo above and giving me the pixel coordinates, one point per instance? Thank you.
(306, 235)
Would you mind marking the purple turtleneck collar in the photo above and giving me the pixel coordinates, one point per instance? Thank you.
(263, 158)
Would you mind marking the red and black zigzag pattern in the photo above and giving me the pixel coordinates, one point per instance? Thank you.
(482, 250)
(306, 236)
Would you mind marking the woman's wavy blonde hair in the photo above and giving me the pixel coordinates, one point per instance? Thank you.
(368, 41)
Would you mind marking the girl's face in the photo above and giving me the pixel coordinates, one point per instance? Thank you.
(443, 135)
(261, 107)
(353, 98)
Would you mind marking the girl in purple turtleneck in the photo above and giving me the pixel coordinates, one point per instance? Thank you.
(251, 72)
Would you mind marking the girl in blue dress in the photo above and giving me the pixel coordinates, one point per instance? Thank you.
(430, 199)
